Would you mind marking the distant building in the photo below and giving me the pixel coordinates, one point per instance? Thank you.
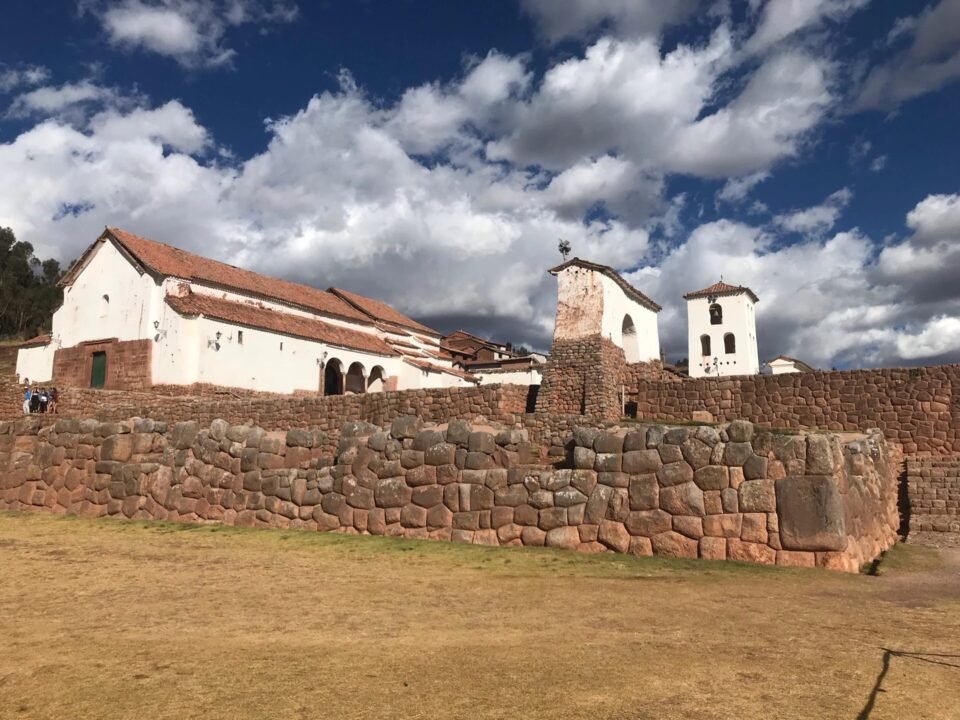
(491, 361)
(722, 331)
(782, 365)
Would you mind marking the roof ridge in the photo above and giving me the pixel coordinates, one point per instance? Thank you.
(629, 289)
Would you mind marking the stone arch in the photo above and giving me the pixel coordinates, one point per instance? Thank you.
(377, 380)
(716, 314)
(631, 346)
(356, 379)
(333, 377)
(729, 344)
(705, 345)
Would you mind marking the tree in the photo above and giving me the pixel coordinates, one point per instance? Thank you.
(28, 288)
(564, 247)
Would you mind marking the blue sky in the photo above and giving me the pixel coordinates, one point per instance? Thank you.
(431, 153)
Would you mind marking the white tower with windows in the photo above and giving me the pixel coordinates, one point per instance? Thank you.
(722, 331)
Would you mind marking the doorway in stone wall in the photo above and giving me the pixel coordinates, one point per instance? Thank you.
(98, 370)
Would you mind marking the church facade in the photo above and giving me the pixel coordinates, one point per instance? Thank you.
(137, 313)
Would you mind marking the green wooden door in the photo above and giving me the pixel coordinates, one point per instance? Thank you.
(98, 370)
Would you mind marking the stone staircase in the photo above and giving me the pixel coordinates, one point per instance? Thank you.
(934, 488)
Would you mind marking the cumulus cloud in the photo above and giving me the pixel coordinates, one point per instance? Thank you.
(188, 31)
(559, 19)
(71, 101)
(818, 219)
(12, 78)
(736, 189)
(931, 61)
(782, 18)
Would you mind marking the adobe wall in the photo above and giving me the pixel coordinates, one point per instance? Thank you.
(129, 364)
(934, 492)
(728, 493)
(915, 407)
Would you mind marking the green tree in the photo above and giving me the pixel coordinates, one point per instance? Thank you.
(28, 288)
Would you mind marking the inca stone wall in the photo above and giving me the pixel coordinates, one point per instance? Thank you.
(934, 488)
(917, 408)
(714, 493)
(496, 403)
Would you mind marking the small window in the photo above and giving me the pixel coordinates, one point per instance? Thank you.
(729, 343)
(239, 337)
(704, 344)
(716, 314)
(281, 346)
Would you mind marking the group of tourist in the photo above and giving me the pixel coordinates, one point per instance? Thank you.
(39, 400)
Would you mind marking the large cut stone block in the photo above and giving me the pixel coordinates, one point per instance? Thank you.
(811, 513)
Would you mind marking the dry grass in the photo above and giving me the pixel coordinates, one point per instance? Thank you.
(108, 619)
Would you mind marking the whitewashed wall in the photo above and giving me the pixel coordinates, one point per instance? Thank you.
(616, 306)
(738, 318)
(514, 377)
(35, 363)
(127, 314)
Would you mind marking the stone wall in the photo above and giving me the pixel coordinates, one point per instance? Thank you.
(129, 364)
(934, 493)
(915, 407)
(496, 403)
(726, 493)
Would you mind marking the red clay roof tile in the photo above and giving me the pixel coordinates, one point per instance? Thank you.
(721, 289)
(381, 311)
(285, 324)
(173, 262)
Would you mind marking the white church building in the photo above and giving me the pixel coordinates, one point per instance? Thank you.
(137, 314)
(722, 331)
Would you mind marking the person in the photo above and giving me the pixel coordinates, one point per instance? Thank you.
(54, 399)
(44, 399)
(27, 397)
(35, 400)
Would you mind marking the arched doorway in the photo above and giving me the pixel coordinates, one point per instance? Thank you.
(377, 380)
(631, 346)
(356, 380)
(333, 378)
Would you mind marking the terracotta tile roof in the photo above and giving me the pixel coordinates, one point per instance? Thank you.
(799, 363)
(169, 261)
(627, 288)
(381, 311)
(36, 341)
(430, 367)
(721, 289)
(265, 319)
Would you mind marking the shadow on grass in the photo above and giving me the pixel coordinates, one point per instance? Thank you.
(513, 561)
(888, 655)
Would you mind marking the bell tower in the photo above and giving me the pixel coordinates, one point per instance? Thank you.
(722, 331)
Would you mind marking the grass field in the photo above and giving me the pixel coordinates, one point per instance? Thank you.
(105, 619)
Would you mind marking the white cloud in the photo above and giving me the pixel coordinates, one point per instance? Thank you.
(189, 31)
(12, 78)
(783, 102)
(558, 19)
(878, 163)
(818, 219)
(938, 337)
(736, 189)
(70, 101)
(783, 18)
(936, 219)
(931, 61)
